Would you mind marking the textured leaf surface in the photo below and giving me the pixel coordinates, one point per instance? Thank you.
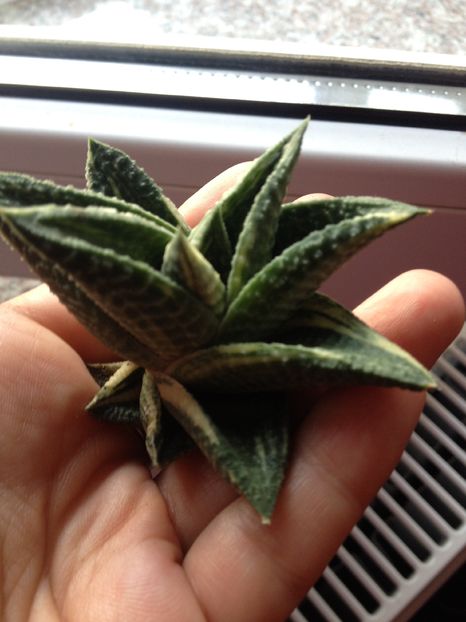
(116, 400)
(338, 359)
(185, 265)
(21, 190)
(257, 237)
(299, 218)
(236, 202)
(211, 239)
(98, 322)
(151, 418)
(113, 173)
(246, 439)
(275, 292)
(130, 395)
(102, 227)
(148, 305)
(123, 385)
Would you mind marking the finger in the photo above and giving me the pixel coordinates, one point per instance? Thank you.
(344, 452)
(40, 305)
(204, 199)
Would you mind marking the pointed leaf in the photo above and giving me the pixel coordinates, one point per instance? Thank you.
(104, 227)
(236, 202)
(116, 401)
(140, 299)
(151, 417)
(303, 216)
(257, 237)
(93, 317)
(113, 173)
(277, 290)
(101, 372)
(246, 439)
(185, 265)
(22, 190)
(338, 358)
(124, 385)
(211, 239)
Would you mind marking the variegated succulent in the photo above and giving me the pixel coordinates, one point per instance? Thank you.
(218, 323)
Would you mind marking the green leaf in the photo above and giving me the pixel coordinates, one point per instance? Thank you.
(22, 190)
(303, 216)
(286, 282)
(246, 439)
(139, 298)
(257, 237)
(124, 233)
(94, 318)
(211, 239)
(113, 173)
(337, 358)
(236, 202)
(185, 265)
(129, 394)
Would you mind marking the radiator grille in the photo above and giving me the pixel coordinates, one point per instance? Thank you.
(414, 533)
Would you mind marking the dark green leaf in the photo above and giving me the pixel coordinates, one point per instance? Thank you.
(338, 358)
(246, 439)
(301, 217)
(236, 202)
(210, 237)
(140, 299)
(21, 190)
(102, 227)
(113, 173)
(185, 265)
(256, 240)
(286, 282)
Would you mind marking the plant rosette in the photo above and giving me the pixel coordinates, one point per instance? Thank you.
(216, 325)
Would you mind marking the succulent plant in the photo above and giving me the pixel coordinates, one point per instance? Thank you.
(216, 324)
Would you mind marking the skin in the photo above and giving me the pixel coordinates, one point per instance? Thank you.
(87, 535)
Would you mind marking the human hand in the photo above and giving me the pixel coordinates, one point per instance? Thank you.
(87, 535)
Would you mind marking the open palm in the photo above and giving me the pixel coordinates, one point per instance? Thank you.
(87, 535)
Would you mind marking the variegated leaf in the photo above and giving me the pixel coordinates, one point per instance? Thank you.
(102, 227)
(211, 239)
(71, 294)
(117, 399)
(257, 236)
(280, 287)
(151, 417)
(124, 385)
(303, 216)
(101, 372)
(236, 202)
(113, 173)
(130, 395)
(185, 265)
(246, 439)
(338, 358)
(142, 300)
(22, 190)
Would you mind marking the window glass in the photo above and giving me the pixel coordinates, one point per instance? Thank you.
(414, 26)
